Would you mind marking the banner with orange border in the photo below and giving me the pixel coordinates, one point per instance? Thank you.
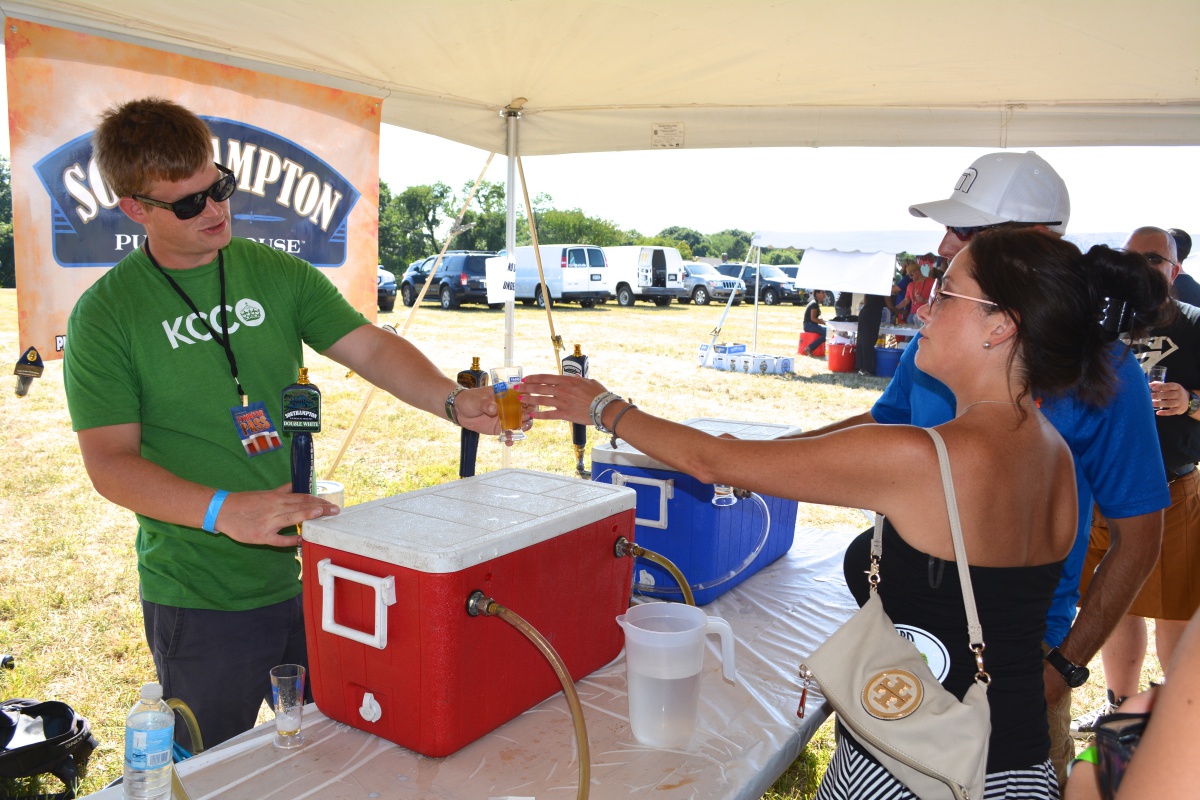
(306, 157)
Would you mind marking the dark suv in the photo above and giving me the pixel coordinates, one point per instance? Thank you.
(773, 287)
(460, 278)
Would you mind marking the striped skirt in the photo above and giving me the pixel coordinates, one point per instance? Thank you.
(855, 773)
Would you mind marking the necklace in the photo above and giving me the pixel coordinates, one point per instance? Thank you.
(997, 402)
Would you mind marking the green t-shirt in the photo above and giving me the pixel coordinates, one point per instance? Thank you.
(136, 353)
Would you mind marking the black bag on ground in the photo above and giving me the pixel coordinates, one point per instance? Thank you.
(64, 752)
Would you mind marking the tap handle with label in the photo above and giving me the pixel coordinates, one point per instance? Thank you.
(302, 418)
(577, 364)
(468, 443)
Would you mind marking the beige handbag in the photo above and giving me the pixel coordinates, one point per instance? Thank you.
(885, 694)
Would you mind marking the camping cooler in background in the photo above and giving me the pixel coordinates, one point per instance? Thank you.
(676, 518)
(391, 647)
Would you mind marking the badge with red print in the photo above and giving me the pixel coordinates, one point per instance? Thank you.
(255, 428)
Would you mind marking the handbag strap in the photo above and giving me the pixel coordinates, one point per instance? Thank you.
(974, 629)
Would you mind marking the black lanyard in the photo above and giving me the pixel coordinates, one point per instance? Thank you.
(221, 338)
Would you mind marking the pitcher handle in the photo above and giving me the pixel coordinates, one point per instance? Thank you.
(721, 628)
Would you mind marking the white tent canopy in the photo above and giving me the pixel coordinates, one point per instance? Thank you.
(607, 75)
(865, 273)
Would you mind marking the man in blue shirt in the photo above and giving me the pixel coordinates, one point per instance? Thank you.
(1117, 463)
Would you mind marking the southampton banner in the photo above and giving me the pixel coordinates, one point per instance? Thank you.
(306, 158)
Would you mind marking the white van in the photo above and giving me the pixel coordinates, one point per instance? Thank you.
(575, 273)
(645, 272)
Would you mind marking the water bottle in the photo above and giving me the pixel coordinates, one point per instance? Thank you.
(149, 733)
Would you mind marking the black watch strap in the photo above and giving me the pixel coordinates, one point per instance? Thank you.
(1072, 673)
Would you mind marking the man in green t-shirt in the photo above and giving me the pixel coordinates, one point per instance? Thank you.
(174, 365)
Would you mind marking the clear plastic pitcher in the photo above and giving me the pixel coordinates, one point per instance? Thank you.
(664, 656)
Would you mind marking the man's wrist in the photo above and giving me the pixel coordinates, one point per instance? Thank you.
(214, 508)
(1074, 675)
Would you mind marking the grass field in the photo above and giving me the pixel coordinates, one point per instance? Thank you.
(69, 607)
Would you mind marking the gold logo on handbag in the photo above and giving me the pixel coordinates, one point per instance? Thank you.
(892, 694)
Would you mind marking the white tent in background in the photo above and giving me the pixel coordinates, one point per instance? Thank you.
(849, 261)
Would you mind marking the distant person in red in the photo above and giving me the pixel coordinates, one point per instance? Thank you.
(812, 322)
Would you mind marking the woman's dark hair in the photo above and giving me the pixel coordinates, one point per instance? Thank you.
(1068, 306)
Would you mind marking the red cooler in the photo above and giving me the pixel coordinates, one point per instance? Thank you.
(391, 647)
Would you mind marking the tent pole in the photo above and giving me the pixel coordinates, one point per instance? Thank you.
(511, 115)
(757, 282)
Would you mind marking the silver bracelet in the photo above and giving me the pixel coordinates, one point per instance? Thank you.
(598, 416)
(451, 408)
(596, 401)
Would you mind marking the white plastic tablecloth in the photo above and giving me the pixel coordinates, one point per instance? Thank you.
(747, 733)
(850, 329)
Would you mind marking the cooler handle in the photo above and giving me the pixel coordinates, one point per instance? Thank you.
(666, 492)
(385, 595)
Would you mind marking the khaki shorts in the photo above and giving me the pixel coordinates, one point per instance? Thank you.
(1173, 589)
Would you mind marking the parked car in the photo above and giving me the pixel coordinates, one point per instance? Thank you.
(574, 273)
(773, 286)
(460, 278)
(703, 284)
(791, 270)
(386, 283)
(644, 272)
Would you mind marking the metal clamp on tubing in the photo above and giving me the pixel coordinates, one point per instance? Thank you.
(385, 595)
(666, 492)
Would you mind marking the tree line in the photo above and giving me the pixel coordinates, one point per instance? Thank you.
(410, 222)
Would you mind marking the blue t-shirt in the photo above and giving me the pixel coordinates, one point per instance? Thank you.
(1117, 459)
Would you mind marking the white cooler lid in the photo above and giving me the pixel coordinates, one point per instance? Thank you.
(455, 525)
(626, 455)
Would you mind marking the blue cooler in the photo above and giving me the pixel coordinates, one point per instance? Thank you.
(716, 548)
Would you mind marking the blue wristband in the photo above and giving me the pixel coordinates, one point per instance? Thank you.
(214, 508)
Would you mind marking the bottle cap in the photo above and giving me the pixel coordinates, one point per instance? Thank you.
(152, 691)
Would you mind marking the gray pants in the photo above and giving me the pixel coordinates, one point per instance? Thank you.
(218, 662)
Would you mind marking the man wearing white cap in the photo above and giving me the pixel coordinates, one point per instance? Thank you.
(1117, 463)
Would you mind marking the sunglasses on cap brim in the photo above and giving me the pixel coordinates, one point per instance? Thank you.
(194, 204)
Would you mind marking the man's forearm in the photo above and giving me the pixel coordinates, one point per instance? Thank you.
(1133, 550)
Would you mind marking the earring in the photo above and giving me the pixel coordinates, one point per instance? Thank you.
(987, 345)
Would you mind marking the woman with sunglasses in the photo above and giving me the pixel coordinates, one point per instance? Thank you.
(1018, 317)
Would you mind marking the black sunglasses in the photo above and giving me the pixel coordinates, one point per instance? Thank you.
(966, 233)
(194, 204)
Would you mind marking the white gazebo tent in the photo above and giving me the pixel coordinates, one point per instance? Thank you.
(539, 77)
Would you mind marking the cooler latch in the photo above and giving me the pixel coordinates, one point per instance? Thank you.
(666, 492)
(385, 595)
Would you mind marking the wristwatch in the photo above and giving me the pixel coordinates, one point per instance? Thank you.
(1073, 674)
(1193, 403)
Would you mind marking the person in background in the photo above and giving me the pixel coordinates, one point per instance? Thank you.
(1166, 763)
(1019, 309)
(1171, 595)
(161, 395)
(812, 321)
(869, 319)
(1117, 461)
(912, 273)
(1187, 290)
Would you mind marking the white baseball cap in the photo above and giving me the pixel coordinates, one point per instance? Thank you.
(1003, 187)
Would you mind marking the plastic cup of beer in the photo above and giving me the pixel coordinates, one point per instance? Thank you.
(287, 692)
(505, 384)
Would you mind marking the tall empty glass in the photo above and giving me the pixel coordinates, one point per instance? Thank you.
(505, 383)
(287, 692)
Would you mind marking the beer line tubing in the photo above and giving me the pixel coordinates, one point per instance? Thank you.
(362, 412)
